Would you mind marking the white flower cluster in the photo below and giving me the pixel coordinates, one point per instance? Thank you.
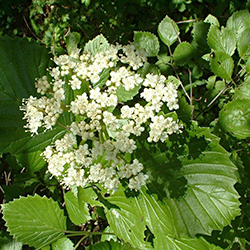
(98, 145)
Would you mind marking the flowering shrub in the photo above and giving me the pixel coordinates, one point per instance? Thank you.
(99, 144)
(116, 139)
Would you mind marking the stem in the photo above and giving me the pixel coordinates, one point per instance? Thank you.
(79, 242)
(191, 92)
(171, 64)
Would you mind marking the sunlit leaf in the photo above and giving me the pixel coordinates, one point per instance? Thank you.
(168, 31)
(78, 213)
(147, 41)
(34, 220)
(235, 118)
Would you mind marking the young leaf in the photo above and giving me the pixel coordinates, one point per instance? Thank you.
(222, 40)
(77, 214)
(222, 65)
(147, 41)
(168, 31)
(34, 220)
(183, 53)
(235, 118)
(97, 45)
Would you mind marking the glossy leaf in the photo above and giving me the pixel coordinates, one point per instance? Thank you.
(148, 42)
(168, 31)
(235, 118)
(34, 220)
(124, 95)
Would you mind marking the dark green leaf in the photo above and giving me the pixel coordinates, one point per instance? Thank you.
(183, 53)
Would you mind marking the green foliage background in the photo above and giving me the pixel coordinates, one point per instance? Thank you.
(216, 94)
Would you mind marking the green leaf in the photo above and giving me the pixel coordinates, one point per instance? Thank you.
(183, 53)
(199, 32)
(72, 41)
(212, 20)
(78, 213)
(126, 221)
(111, 245)
(168, 243)
(235, 118)
(34, 220)
(239, 22)
(243, 92)
(10, 244)
(33, 161)
(222, 40)
(21, 62)
(193, 179)
(87, 195)
(104, 76)
(222, 65)
(123, 95)
(63, 244)
(243, 45)
(148, 42)
(168, 31)
(20, 142)
(97, 45)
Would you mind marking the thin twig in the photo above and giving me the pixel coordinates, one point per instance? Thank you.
(217, 96)
(191, 92)
(188, 21)
(32, 30)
